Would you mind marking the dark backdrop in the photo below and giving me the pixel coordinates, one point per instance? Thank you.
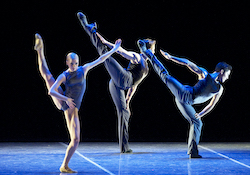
(205, 32)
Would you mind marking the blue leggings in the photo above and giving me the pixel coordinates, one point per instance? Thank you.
(183, 99)
(121, 80)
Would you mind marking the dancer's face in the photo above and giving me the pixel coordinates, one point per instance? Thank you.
(153, 49)
(72, 61)
(225, 75)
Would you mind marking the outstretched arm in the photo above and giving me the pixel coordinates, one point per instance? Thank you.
(131, 56)
(211, 105)
(102, 58)
(182, 61)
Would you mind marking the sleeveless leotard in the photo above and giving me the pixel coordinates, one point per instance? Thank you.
(75, 86)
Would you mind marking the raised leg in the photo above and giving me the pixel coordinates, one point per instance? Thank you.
(157, 65)
(90, 29)
(44, 70)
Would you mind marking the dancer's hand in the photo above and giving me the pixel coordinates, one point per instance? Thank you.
(197, 116)
(70, 103)
(117, 45)
(166, 55)
(38, 42)
(102, 39)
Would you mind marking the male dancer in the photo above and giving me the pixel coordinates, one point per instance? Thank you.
(121, 79)
(74, 79)
(208, 87)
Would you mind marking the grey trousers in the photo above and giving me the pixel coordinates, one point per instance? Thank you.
(121, 80)
(184, 101)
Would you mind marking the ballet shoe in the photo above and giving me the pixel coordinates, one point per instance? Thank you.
(142, 45)
(88, 27)
(82, 18)
(129, 151)
(38, 42)
(67, 170)
(194, 156)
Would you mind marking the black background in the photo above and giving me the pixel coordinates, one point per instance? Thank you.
(204, 31)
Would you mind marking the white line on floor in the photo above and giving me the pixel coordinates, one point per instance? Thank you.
(107, 171)
(225, 156)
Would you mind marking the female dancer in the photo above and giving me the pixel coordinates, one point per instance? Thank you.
(121, 79)
(208, 87)
(74, 79)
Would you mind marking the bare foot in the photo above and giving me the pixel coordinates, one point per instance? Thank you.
(38, 42)
(67, 170)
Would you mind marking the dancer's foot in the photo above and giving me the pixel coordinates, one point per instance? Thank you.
(129, 151)
(83, 19)
(38, 42)
(67, 170)
(194, 156)
(142, 45)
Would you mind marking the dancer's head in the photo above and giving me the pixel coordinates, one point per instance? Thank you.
(224, 69)
(150, 44)
(72, 61)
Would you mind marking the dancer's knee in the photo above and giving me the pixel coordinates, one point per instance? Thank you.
(75, 141)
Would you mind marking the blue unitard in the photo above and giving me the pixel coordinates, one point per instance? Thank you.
(75, 87)
(121, 80)
(186, 96)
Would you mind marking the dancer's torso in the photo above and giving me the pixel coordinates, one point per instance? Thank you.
(139, 71)
(75, 85)
(205, 89)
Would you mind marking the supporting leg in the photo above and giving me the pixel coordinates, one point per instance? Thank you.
(195, 128)
(123, 115)
(73, 125)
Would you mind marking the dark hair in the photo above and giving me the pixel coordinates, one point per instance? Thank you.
(149, 43)
(222, 65)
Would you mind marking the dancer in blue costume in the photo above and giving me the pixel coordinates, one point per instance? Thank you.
(69, 101)
(208, 87)
(122, 80)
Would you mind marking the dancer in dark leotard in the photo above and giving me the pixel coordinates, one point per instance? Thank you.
(208, 87)
(75, 83)
(121, 79)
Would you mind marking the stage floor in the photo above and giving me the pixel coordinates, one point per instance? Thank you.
(104, 158)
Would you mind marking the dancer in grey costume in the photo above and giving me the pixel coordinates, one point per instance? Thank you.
(121, 79)
(208, 87)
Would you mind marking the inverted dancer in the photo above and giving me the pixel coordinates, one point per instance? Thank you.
(208, 87)
(121, 79)
(69, 101)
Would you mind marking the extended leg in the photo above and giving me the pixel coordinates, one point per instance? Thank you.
(73, 125)
(121, 77)
(90, 29)
(157, 65)
(44, 70)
